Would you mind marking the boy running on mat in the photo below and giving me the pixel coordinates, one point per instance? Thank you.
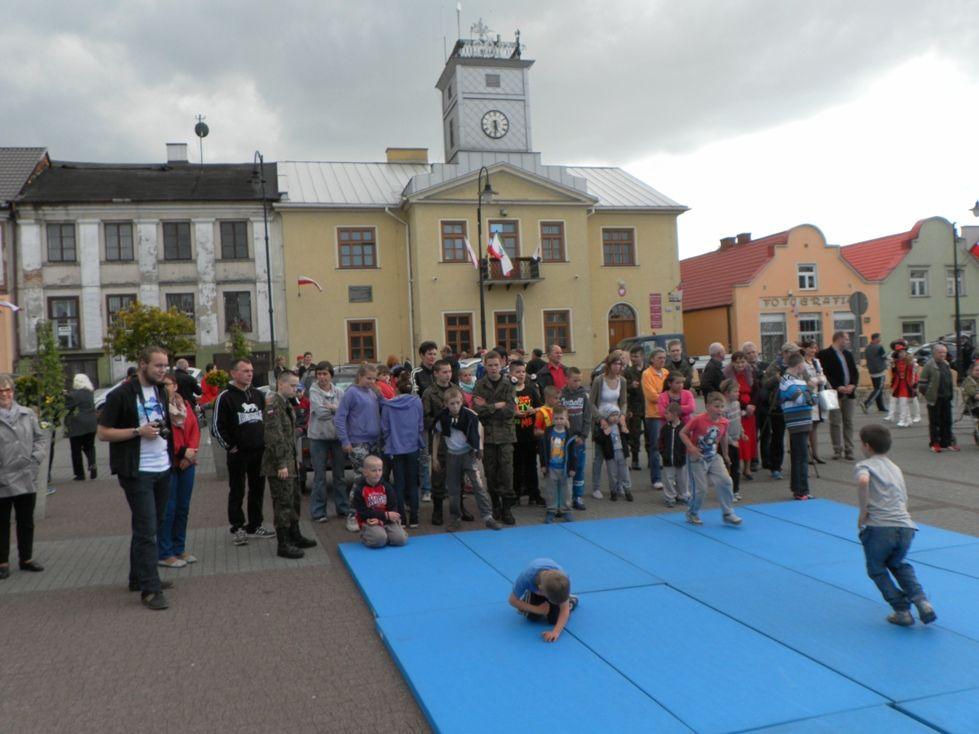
(543, 591)
(705, 437)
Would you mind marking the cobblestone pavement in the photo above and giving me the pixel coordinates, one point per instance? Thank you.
(252, 641)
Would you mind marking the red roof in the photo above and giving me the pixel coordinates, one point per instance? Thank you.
(709, 280)
(876, 259)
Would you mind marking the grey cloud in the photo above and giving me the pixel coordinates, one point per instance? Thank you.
(613, 81)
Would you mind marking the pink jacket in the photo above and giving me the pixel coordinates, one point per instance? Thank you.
(688, 404)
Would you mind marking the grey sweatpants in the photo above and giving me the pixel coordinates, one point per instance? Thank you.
(456, 467)
(556, 491)
(619, 481)
(378, 536)
(699, 472)
(675, 483)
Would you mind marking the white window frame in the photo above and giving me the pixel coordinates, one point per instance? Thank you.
(817, 335)
(950, 283)
(922, 279)
(807, 280)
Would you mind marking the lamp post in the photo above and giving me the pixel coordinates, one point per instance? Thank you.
(483, 192)
(259, 171)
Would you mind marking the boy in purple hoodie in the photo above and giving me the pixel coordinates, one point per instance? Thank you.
(358, 419)
(403, 431)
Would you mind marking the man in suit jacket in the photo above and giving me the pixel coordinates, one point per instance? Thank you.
(713, 375)
(841, 371)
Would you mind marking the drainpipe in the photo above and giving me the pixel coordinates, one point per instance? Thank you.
(411, 283)
(12, 284)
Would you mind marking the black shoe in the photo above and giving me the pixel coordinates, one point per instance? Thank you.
(437, 512)
(79, 478)
(4, 573)
(155, 601)
(285, 548)
(93, 473)
(497, 514)
(466, 516)
(613, 496)
(298, 539)
(539, 501)
(31, 566)
(164, 585)
(506, 515)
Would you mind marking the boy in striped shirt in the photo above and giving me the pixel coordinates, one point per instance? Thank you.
(796, 400)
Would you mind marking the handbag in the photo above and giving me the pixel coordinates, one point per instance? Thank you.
(829, 400)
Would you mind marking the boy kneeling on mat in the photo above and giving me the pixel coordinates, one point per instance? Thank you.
(373, 498)
(543, 591)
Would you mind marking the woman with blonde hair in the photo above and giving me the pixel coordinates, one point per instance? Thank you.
(80, 425)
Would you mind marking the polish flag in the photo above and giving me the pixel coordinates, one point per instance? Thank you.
(472, 254)
(974, 250)
(12, 306)
(305, 280)
(496, 250)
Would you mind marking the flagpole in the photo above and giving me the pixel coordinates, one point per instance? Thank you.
(959, 352)
(479, 250)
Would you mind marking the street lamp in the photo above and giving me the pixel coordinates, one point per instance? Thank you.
(259, 172)
(483, 192)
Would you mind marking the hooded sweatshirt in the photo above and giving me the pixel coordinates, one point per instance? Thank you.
(322, 410)
(578, 406)
(358, 419)
(403, 425)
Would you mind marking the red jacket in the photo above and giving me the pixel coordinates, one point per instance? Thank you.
(187, 436)
(208, 393)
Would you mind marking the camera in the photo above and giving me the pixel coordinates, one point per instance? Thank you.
(162, 428)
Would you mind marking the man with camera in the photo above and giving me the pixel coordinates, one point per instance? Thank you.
(136, 424)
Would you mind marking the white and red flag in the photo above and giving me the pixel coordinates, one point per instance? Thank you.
(306, 280)
(472, 255)
(496, 250)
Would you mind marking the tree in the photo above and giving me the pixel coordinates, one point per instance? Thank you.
(45, 389)
(238, 344)
(137, 326)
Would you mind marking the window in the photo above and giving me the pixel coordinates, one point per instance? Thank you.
(454, 242)
(176, 240)
(61, 243)
(492, 80)
(913, 332)
(509, 235)
(119, 241)
(234, 240)
(358, 247)
(918, 278)
(452, 133)
(183, 302)
(238, 310)
(360, 293)
(64, 313)
(845, 321)
(618, 247)
(950, 282)
(116, 303)
(459, 332)
(806, 273)
(557, 329)
(552, 242)
(772, 335)
(811, 327)
(507, 330)
(967, 325)
(361, 341)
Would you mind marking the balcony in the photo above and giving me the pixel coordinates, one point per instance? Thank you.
(525, 271)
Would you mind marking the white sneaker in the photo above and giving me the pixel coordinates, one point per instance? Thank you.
(352, 524)
(261, 532)
(175, 563)
(916, 420)
(188, 558)
(657, 485)
(239, 537)
(732, 519)
(597, 494)
(426, 496)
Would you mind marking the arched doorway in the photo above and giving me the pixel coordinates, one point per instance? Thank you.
(621, 323)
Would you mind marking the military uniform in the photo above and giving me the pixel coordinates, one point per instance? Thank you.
(499, 435)
(280, 451)
(635, 411)
(433, 401)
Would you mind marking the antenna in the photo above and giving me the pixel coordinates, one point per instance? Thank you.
(458, 20)
(201, 130)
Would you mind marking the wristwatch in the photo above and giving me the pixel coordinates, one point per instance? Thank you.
(135, 432)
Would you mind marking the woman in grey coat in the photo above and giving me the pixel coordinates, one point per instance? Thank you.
(80, 426)
(21, 452)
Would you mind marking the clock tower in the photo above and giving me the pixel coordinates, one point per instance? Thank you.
(485, 105)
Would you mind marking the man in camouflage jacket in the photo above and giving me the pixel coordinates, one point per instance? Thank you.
(495, 403)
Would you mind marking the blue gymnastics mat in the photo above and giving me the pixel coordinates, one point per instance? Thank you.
(963, 559)
(836, 518)
(486, 669)
(430, 572)
(873, 720)
(846, 633)
(668, 551)
(731, 678)
(954, 713)
(590, 567)
(955, 597)
(783, 543)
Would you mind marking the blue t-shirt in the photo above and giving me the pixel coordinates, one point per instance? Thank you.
(527, 580)
(558, 450)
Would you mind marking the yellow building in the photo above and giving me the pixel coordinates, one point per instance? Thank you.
(594, 250)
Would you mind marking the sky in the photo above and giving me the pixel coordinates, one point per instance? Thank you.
(858, 117)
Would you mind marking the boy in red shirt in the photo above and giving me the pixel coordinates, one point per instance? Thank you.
(705, 437)
(379, 526)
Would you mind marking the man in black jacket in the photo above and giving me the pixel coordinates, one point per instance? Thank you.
(841, 371)
(187, 386)
(239, 429)
(136, 422)
(713, 375)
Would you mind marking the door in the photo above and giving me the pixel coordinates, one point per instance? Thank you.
(621, 324)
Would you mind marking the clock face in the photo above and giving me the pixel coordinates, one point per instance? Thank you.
(495, 124)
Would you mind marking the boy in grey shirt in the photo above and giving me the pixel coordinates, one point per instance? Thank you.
(886, 528)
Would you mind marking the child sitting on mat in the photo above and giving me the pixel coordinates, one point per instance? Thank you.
(886, 528)
(373, 498)
(543, 591)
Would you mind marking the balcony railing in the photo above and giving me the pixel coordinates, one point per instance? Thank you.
(526, 270)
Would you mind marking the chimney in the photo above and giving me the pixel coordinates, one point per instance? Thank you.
(407, 155)
(744, 238)
(727, 243)
(177, 153)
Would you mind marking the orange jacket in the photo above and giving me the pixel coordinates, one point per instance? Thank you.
(653, 383)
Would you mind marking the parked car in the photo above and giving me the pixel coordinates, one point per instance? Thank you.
(100, 394)
(648, 343)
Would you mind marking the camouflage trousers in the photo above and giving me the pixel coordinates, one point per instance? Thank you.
(635, 424)
(498, 465)
(285, 500)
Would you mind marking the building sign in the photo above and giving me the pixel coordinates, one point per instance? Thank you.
(655, 310)
(795, 301)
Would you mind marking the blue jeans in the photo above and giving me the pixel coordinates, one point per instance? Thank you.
(652, 448)
(885, 549)
(319, 450)
(171, 539)
(425, 468)
(580, 448)
(406, 483)
(147, 496)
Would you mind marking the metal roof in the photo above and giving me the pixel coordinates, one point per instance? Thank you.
(341, 184)
(16, 164)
